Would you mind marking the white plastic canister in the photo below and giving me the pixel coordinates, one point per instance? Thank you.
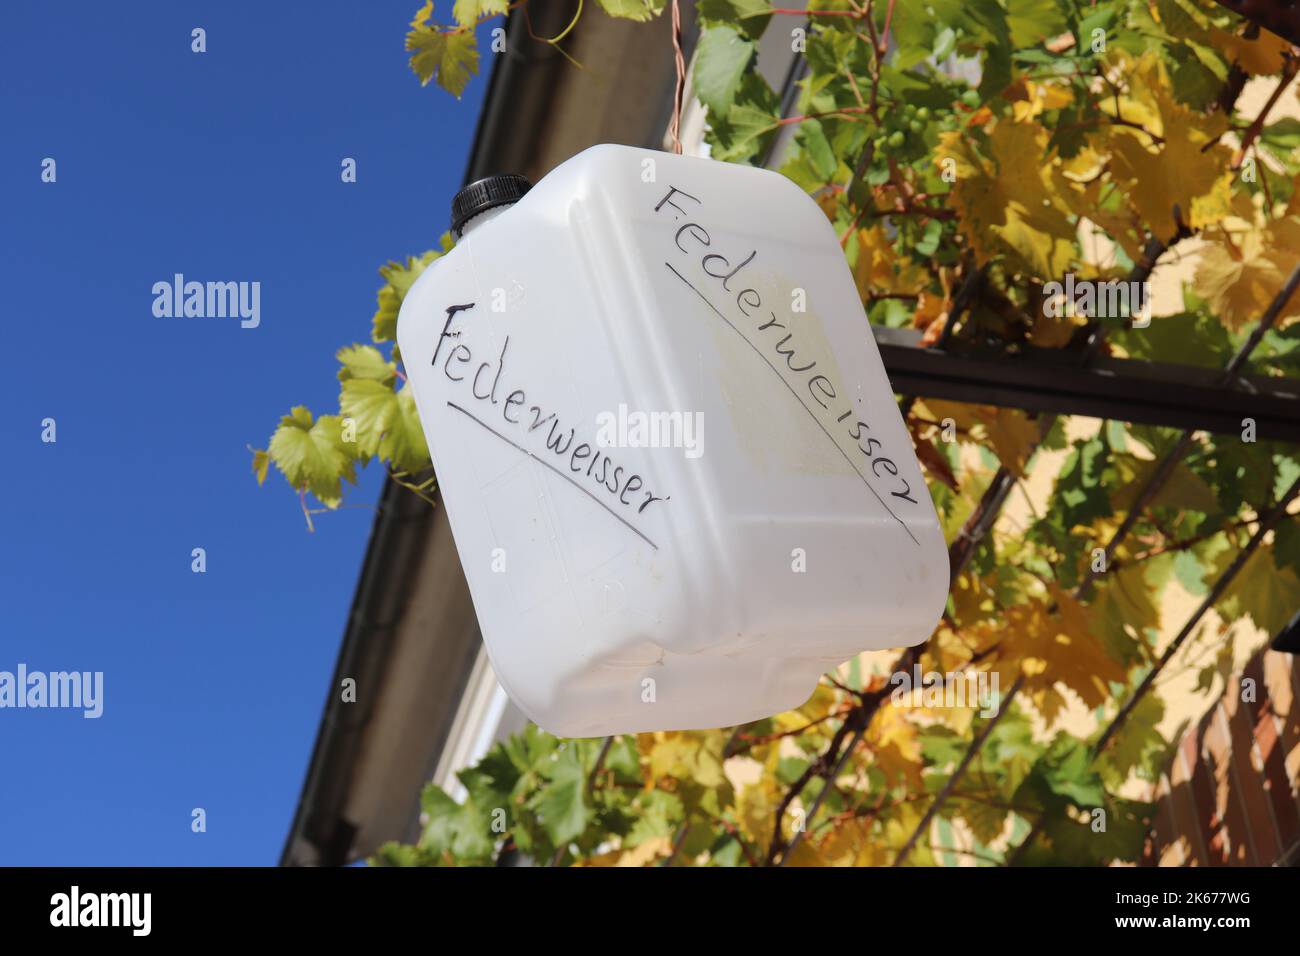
(673, 465)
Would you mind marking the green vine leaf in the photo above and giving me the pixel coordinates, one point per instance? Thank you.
(312, 454)
(449, 57)
(744, 131)
(365, 362)
(261, 460)
(560, 802)
(639, 10)
(467, 13)
(1262, 591)
(751, 17)
(387, 423)
(398, 279)
(720, 63)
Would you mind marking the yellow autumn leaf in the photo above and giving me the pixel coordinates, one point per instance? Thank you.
(973, 598)
(900, 822)
(1050, 641)
(1169, 162)
(828, 201)
(896, 746)
(1053, 332)
(261, 460)
(756, 806)
(1008, 204)
(948, 647)
(688, 755)
(958, 719)
(643, 854)
(929, 307)
(850, 843)
(1014, 437)
(879, 269)
(1284, 252)
(1120, 226)
(808, 855)
(1240, 275)
(1030, 99)
(1010, 431)
(1262, 56)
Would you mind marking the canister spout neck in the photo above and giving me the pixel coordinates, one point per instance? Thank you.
(485, 216)
(490, 194)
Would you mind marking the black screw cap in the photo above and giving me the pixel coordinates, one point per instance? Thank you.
(485, 194)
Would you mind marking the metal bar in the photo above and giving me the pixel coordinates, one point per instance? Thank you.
(970, 285)
(1149, 393)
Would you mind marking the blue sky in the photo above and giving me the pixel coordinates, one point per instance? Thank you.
(222, 166)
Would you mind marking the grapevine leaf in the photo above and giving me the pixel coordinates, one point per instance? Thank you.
(1186, 168)
(1240, 276)
(461, 830)
(720, 63)
(312, 455)
(364, 361)
(449, 57)
(1282, 136)
(1188, 338)
(639, 10)
(560, 802)
(467, 13)
(371, 405)
(749, 16)
(1096, 840)
(1011, 433)
(260, 462)
(1137, 744)
(659, 814)
(387, 423)
(745, 130)
(404, 444)
(1262, 56)
(1269, 595)
(812, 137)
(1034, 21)
(1009, 202)
(1286, 546)
(1054, 646)
(398, 279)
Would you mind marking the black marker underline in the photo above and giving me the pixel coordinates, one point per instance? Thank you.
(547, 464)
(778, 374)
